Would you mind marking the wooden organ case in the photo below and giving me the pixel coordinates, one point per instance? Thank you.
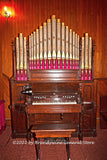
(54, 70)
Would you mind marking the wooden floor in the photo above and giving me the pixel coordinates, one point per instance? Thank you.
(19, 149)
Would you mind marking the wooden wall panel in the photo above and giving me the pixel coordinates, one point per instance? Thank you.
(101, 90)
(6, 95)
(104, 38)
(80, 15)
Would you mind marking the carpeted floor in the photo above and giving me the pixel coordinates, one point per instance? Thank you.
(93, 148)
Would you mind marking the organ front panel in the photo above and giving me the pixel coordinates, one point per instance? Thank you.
(53, 67)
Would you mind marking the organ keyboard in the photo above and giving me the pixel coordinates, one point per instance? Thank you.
(63, 95)
(52, 98)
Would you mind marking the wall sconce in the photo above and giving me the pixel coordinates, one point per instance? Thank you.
(7, 13)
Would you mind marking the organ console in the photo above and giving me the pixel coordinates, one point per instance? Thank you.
(53, 76)
(49, 98)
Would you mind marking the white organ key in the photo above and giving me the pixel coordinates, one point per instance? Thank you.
(52, 103)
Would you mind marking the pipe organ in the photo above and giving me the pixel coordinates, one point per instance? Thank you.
(53, 76)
